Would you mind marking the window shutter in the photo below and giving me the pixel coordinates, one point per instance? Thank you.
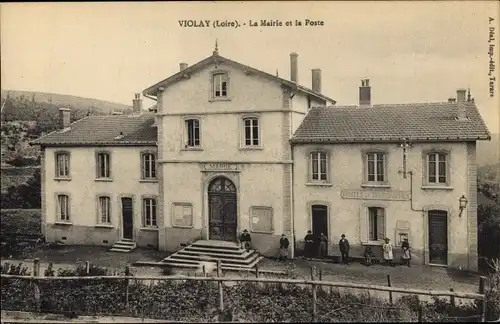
(363, 224)
(371, 224)
(380, 223)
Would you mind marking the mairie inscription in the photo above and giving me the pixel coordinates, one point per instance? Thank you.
(219, 166)
(375, 195)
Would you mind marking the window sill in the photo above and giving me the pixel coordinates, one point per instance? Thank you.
(103, 179)
(192, 149)
(182, 226)
(375, 185)
(251, 148)
(215, 99)
(377, 243)
(62, 179)
(63, 223)
(319, 184)
(104, 226)
(148, 180)
(149, 229)
(431, 187)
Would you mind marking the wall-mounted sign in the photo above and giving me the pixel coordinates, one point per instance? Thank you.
(375, 194)
(219, 166)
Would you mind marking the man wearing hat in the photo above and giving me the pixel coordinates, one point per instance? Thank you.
(344, 249)
(308, 251)
(245, 240)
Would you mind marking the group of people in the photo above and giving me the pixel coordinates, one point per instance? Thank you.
(322, 248)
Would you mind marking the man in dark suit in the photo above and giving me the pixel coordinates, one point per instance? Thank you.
(344, 249)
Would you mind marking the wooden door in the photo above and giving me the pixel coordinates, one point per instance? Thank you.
(438, 237)
(127, 218)
(319, 224)
(222, 216)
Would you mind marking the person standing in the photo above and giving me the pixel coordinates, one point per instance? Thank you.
(284, 243)
(323, 245)
(246, 239)
(309, 239)
(344, 249)
(387, 247)
(368, 256)
(406, 252)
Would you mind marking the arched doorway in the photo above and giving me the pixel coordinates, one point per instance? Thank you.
(222, 212)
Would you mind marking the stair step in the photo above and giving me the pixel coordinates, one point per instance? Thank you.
(179, 265)
(217, 246)
(172, 258)
(244, 255)
(120, 250)
(125, 243)
(217, 250)
(200, 258)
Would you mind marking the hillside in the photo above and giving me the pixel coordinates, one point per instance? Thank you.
(11, 110)
(488, 152)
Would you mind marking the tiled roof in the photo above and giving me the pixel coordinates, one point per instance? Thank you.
(105, 130)
(220, 59)
(417, 122)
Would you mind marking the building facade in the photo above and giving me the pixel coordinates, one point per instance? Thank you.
(230, 147)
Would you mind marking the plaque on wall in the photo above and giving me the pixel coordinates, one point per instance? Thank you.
(220, 166)
(375, 194)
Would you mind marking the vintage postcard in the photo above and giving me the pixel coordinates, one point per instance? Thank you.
(259, 161)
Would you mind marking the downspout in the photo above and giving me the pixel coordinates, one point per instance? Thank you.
(411, 193)
(293, 201)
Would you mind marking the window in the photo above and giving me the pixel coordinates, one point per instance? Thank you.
(251, 129)
(148, 166)
(182, 214)
(436, 168)
(318, 166)
(261, 219)
(220, 82)
(104, 210)
(63, 208)
(149, 212)
(376, 220)
(62, 165)
(193, 133)
(103, 165)
(375, 167)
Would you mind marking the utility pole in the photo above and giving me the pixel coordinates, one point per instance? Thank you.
(405, 146)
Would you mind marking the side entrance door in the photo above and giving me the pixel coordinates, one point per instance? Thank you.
(319, 224)
(222, 210)
(127, 218)
(438, 237)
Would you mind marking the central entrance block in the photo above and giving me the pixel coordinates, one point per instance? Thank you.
(222, 212)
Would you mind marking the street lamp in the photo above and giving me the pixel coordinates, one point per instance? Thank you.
(462, 204)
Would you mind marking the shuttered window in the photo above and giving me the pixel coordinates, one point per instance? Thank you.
(376, 223)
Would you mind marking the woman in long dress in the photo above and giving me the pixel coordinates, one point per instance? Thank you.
(387, 247)
(406, 252)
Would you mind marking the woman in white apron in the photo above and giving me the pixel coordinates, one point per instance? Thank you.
(387, 247)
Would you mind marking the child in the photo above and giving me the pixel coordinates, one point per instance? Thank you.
(387, 248)
(368, 256)
(284, 243)
(406, 252)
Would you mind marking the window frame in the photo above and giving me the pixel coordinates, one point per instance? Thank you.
(375, 238)
(99, 210)
(267, 208)
(242, 144)
(185, 137)
(311, 167)
(223, 75)
(147, 220)
(426, 167)
(98, 166)
(59, 218)
(366, 165)
(58, 175)
(182, 204)
(153, 171)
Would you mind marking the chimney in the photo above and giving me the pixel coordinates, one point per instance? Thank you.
(316, 80)
(64, 117)
(293, 67)
(137, 104)
(183, 66)
(461, 112)
(451, 99)
(365, 94)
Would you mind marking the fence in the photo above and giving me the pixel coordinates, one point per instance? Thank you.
(215, 298)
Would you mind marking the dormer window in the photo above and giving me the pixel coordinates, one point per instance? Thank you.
(220, 85)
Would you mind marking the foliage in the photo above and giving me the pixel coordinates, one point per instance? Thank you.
(488, 217)
(25, 196)
(198, 300)
(21, 221)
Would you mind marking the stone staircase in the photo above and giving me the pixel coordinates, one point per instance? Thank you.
(125, 245)
(230, 254)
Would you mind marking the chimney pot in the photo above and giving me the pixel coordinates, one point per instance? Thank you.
(294, 67)
(316, 80)
(64, 117)
(461, 109)
(365, 94)
(183, 66)
(137, 104)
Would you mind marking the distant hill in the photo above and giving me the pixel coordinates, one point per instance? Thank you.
(17, 99)
(488, 152)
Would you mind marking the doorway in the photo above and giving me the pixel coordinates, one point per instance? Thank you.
(222, 212)
(127, 218)
(438, 237)
(319, 224)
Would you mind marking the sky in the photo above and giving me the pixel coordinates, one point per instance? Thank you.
(418, 51)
